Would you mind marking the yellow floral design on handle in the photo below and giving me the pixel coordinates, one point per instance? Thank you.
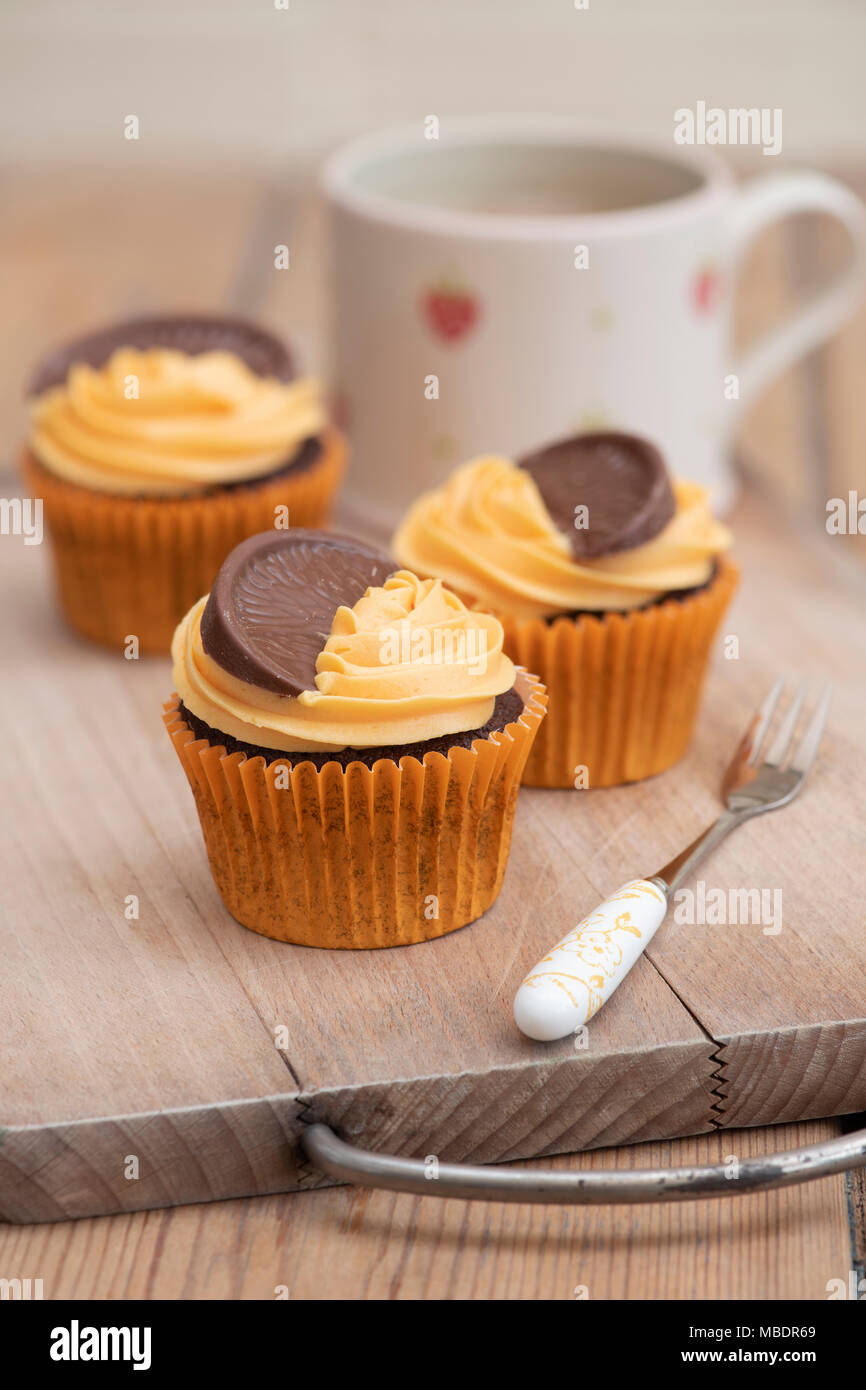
(568, 986)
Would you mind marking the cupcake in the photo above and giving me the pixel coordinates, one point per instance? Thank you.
(156, 447)
(610, 581)
(354, 739)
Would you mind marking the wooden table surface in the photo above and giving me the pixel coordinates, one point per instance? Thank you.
(806, 442)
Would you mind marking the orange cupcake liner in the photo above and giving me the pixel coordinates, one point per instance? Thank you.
(623, 689)
(129, 565)
(359, 857)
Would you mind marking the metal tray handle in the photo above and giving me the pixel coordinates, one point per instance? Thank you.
(502, 1183)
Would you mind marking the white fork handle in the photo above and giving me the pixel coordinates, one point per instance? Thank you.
(572, 981)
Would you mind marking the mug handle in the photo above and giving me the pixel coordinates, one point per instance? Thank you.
(763, 202)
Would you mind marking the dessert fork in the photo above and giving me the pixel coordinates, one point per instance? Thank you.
(570, 984)
(576, 978)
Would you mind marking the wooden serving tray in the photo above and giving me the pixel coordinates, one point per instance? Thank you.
(139, 1058)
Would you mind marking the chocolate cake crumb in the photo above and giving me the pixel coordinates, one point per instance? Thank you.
(506, 710)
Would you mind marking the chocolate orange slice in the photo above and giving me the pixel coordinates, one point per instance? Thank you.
(263, 353)
(272, 606)
(620, 479)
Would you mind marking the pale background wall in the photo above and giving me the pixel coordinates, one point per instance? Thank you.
(216, 79)
(239, 101)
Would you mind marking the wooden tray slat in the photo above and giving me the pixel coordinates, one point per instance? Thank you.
(158, 1037)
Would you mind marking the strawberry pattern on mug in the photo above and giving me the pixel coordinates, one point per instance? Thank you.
(706, 287)
(450, 310)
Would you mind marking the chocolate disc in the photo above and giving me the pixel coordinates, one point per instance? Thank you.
(620, 479)
(272, 605)
(191, 333)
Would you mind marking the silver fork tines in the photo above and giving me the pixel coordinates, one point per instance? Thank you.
(779, 747)
(762, 721)
(805, 754)
(769, 781)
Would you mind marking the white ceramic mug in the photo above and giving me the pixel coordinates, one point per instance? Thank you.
(513, 282)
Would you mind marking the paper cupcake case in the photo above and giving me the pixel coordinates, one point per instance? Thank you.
(623, 689)
(128, 565)
(359, 857)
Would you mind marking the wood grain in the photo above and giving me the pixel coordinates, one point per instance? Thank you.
(414, 1049)
(856, 1200)
(180, 1009)
(794, 1027)
(354, 1244)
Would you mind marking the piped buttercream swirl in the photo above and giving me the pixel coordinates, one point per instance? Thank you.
(409, 662)
(159, 422)
(487, 533)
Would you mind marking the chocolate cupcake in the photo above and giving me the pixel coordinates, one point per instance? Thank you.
(156, 446)
(610, 581)
(354, 738)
